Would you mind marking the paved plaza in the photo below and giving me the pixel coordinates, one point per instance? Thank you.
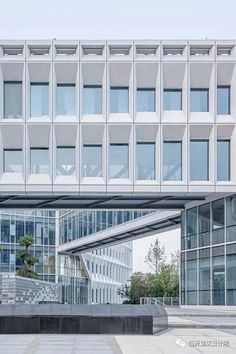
(191, 330)
(180, 340)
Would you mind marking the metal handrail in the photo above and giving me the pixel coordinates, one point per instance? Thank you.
(165, 301)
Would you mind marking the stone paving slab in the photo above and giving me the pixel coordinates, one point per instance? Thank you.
(201, 322)
(59, 344)
(209, 311)
(179, 341)
(174, 341)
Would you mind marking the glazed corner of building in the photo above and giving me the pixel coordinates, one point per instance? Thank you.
(208, 252)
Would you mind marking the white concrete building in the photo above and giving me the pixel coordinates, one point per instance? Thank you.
(121, 125)
(78, 118)
(108, 269)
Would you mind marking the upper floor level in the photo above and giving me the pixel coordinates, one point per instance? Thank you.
(117, 50)
(125, 82)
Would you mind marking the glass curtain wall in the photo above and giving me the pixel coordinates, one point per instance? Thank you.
(39, 224)
(76, 224)
(208, 244)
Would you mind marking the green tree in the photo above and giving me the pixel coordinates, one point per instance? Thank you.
(164, 282)
(155, 257)
(137, 287)
(27, 258)
(169, 280)
(124, 292)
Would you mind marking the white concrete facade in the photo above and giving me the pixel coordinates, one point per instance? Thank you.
(108, 269)
(134, 64)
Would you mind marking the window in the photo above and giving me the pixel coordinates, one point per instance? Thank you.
(172, 50)
(191, 278)
(146, 50)
(119, 50)
(38, 99)
(199, 51)
(119, 161)
(223, 100)
(39, 50)
(119, 99)
(218, 276)
(145, 99)
(223, 160)
(92, 99)
(92, 160)
(12, 50)
(13, 160)
(199, 160)
(218, 221)
(172, 99)
(230, 273)
(199, 100)
(39, 160)
(172, 160)
(224, 50)
(65, 160)
(66, 99)
(183, 278)
(93, 50)
(191, 228)
(204, 277)
(183, 229)
(145, 167)
(12, 99)
(204, 224)
(231, 218)
(64, 51)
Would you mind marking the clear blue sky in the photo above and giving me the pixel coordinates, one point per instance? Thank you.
(102, 19)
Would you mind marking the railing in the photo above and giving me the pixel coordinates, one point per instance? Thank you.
(165, 301)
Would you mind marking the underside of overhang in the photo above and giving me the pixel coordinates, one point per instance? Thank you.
(96, 201)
